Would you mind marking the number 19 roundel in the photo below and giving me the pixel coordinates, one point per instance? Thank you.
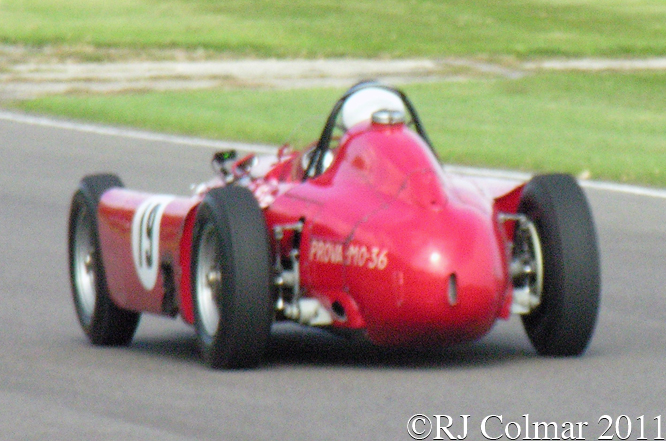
(146, 238)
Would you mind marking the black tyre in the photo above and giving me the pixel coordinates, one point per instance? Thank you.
(231, 279)
(102, 321)
(564, 321)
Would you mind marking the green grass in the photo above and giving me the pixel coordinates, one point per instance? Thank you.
(610, 124)
(325, 28)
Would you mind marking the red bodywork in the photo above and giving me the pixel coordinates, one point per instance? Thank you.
(390, 244)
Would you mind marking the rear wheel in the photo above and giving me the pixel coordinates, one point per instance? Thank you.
(563, 322)
(102, 321)
(231, 279)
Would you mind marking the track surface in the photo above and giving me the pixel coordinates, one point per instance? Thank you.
(55, 386)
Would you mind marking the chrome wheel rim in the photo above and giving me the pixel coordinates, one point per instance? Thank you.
(84, 266)
(527, 267)
(208, 281)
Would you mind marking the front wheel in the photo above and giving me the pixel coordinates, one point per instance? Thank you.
(563, 322)
(101, 320)
(231, 279)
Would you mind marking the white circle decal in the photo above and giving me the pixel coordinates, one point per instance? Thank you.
(146, 238)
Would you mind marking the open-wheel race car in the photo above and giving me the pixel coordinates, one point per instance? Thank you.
(363, 232)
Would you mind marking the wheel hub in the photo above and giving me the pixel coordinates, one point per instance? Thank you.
(526, 267)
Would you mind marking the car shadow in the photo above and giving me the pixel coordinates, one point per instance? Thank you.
(293, 345)
(181, 347)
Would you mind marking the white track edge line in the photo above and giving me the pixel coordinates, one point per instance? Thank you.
(264, 148)
(132, 133)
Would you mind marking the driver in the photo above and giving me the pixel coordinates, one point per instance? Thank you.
(359, 104)
(368, 99)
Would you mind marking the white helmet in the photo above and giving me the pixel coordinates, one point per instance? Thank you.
(360, 105)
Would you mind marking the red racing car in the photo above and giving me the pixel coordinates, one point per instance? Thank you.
(363, 231)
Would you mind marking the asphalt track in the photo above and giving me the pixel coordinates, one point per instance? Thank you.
(55, 386)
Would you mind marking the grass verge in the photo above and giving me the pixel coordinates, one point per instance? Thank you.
(609, 126)
(357, 28)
